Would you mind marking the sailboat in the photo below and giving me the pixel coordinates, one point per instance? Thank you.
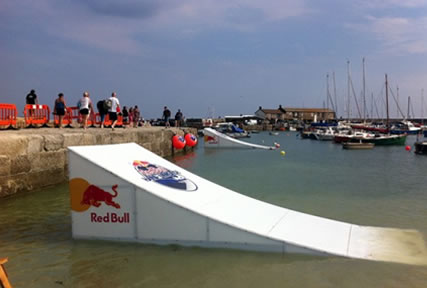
(386, 139)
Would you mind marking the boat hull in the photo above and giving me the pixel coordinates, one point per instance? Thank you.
(387, 140)
(357, 146)
(421, 148)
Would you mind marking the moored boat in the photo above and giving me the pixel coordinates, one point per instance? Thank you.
(307, 134)
(421, 148)
(357, 145)
(405, 127)
(231, 130)
(324, 134)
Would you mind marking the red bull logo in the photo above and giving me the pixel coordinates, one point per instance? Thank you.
(211, 139)
(85, 195)
(163, 176)
(94, 195)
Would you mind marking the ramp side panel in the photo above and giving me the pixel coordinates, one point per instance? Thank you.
(311, 231)
(159, 219)
(245, 212)
(220, 232)
(111, 219)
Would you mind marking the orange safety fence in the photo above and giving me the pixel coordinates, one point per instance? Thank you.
(108, 122)
(73, 113)
(36, 114)
(66, 120)
(91, 120)
(8, 114)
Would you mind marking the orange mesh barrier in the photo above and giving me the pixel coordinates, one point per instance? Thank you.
(75, 115)
(67, 121)
(108, 122)
(8, 114)
(36, 115)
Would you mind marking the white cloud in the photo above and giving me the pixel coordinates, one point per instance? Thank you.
(396, 34)
(400, 34)
(376, 4)
(116, 27)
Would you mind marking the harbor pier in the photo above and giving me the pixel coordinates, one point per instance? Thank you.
(32, 159)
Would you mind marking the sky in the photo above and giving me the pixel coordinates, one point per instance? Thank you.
(215, 57)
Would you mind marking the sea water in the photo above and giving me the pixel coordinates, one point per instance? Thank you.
(386, 186)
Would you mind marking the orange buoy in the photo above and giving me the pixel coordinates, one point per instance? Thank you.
(408, 148)
(178, 142)
(190, 139)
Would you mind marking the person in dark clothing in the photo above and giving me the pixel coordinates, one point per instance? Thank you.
(136, 116)
(178, 118)
(166, 116)
(101, 110)
(60, 108)
(32, 98)
(125, 114)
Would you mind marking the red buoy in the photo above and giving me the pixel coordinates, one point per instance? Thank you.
(190, 139)
(178, 142)
(408, 148)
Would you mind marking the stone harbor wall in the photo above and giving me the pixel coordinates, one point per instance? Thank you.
(31, 159)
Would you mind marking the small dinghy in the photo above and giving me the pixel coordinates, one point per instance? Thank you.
(357, 145)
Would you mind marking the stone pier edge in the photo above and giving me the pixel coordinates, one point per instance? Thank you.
(37, 158)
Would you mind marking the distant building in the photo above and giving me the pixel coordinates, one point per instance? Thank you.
(297, 114)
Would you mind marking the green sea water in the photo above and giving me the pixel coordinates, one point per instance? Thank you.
(386, 186)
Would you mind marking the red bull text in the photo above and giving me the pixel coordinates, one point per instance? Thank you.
(110, 218)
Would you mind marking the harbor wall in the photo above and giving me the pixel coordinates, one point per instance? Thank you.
(31, 159)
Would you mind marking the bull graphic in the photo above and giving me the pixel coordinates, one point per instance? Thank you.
(94, 195)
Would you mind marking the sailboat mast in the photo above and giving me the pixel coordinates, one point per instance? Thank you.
(364, 91)
(327, 91)
(409, 105)
(386, 101)
(335, 95)
(348, 91)
(397, 104)
(422, 105)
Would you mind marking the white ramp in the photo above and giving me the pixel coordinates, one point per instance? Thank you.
(125, 192)
(216, 139)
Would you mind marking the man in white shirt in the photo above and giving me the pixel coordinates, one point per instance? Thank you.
(115, 107)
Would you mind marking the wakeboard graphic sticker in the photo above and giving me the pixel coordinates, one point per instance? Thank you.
(163, 176)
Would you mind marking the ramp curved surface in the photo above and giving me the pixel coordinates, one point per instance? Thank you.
(127, 193)
(216, 139)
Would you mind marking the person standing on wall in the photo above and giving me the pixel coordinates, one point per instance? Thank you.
(112, 112)
(60, 108)
(136, 116)
(102, 111)
(85, 107)
(131, 117)
(166, 116)
(31, 99)
(178, 118)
